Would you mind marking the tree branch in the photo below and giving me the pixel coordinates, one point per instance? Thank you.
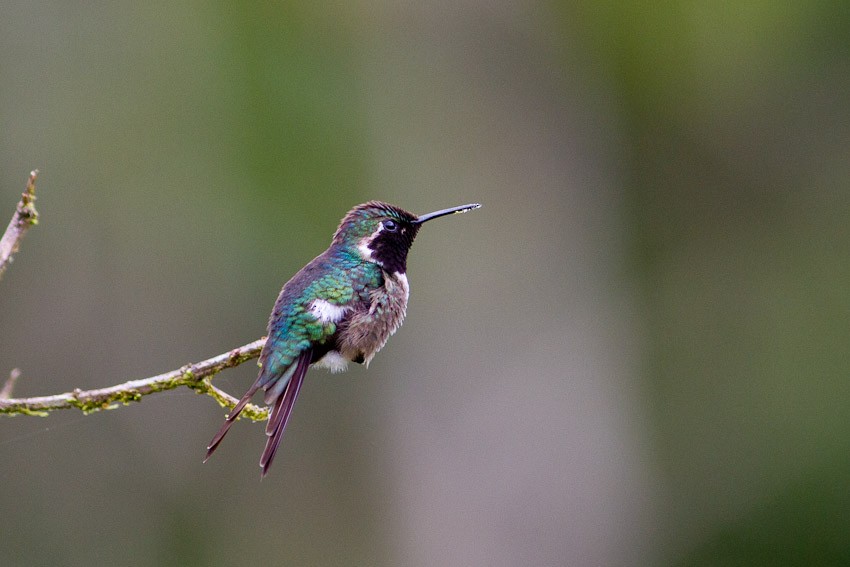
(25, 216)
(6, 392)
(196, 376)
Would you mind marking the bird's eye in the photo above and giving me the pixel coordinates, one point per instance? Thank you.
(390, 225)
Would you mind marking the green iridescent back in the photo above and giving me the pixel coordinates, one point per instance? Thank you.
(335, 276)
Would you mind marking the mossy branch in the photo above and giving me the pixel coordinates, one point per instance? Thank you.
(196, 376)
(25, 216)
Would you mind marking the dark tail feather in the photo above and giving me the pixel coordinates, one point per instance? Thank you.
(231, 417)
(283, 409)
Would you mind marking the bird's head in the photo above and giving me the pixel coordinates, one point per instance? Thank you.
(383, 233)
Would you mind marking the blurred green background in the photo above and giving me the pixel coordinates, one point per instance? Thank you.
(635, 354)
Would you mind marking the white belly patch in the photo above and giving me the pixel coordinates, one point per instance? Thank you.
(327, 312)
(333, 361)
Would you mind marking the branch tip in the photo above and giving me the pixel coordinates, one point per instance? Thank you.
(6, 392)
(25, 216)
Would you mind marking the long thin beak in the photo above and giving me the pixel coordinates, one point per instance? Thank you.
(444, 212)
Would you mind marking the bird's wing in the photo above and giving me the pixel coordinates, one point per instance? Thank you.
(304, 316)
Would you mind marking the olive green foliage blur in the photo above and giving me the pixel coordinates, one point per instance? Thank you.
(736, 121)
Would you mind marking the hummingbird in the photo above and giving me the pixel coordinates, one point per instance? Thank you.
(341, 307)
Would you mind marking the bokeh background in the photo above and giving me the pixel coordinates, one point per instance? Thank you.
(635, 354)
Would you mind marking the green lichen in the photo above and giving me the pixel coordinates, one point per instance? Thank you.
(251, 411)
(102, 403)
(25, 411)
(130, 396)
(195, 376)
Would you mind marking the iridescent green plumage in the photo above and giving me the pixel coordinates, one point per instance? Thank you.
(342, 306)
(337, 277)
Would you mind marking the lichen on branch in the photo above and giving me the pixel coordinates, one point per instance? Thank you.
(25, 216)
(197, 376)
